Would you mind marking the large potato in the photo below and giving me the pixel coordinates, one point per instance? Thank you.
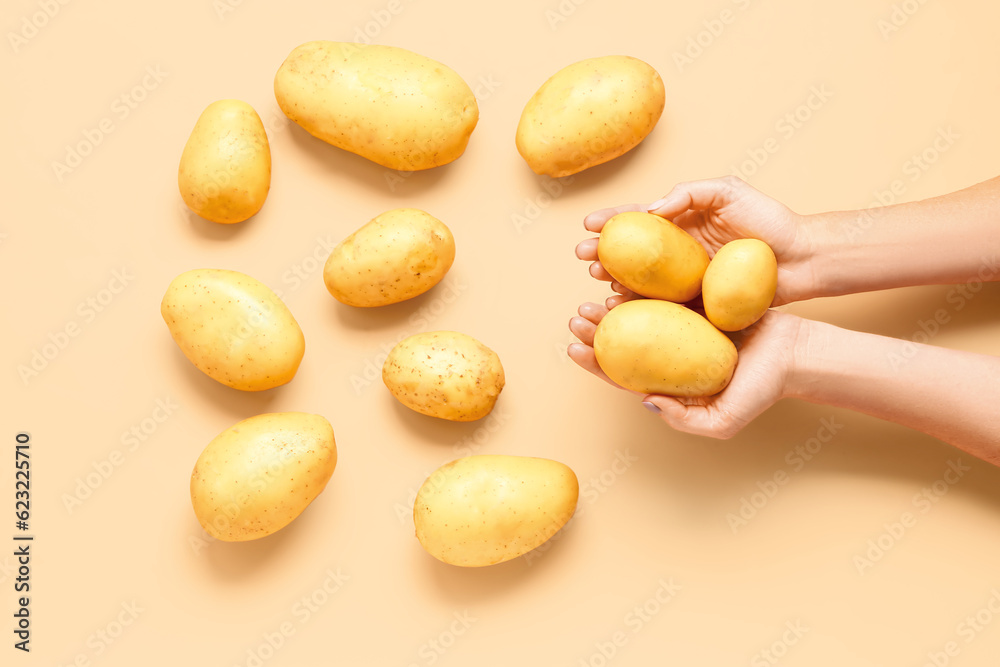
(483, 510)
(396, 256)
(255, 477)
(225, 170)
(444, 374)
(233, 328)
(588, 113)
(652, 256)
(392, 106)
(659, 347)
(739, 284)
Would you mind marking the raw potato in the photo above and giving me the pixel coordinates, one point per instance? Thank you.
(652, 256)
(659, 347)
(225, 170)
(392, 106)
(255, 477)
(588, 113)
(233, 328)
(397, 256)
(483, 510)
(739, 284)
(444, 374)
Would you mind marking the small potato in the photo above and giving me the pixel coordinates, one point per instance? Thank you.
(394, 107)
(233, 328)
(659, 347)
(255, 477)
(396, 256)
(444, 374)
(652, 256)
(739, 284)
(483, 510)
(225, 170)
(588, 113)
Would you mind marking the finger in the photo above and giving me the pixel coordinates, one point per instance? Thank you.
(592, 311)
(587, 250)
(713, 193)
(595, 221)
(696, 419)
(583, 329)
(597, 271)
(584, 357)
(619, 299)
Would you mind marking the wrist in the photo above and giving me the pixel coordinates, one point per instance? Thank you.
(808, 349)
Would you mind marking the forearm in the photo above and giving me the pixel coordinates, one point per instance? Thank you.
(945, 240)
(949, 394)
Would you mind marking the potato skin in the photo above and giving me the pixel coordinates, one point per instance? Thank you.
(233, 328)
(739, 284)
(394, 107)
(659, 347)
(257, 476)
(588, 113)
(225, 169)
(444, 374)
(398, 255)
(652, 256)
(482, 510)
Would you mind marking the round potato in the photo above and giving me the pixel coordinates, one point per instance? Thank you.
(444, 374)
(659, 347)
(483, 510)
(652, 256)
(396, 256)
(739, 284)
(225, 170)
(255, 477)
(397, 108)
(233, 328)
(588, 113)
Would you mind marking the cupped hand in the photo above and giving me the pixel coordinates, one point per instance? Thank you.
(766, 362)
(716, 211)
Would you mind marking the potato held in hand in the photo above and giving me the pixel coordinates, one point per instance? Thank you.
(258, 475)
(225, 170)
(444, 374)
(396, 256)
(739, 284)
(652, 256)
(392, 106)
(659, 347)
(588, 113)
(233, 328)
(483, 510)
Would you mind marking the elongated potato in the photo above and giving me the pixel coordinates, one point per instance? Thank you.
(659, 347)
(258, 475)
(483, 510)
(233, 328)
(588, 113)
(396, 256)
(225, 170)
(392, 106)
(739, 284)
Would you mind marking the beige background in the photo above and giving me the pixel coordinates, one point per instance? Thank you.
(664, 516)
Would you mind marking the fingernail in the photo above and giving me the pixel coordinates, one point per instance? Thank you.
(656, 204)
(651, 407)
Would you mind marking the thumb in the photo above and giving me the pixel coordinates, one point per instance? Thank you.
(713, 193)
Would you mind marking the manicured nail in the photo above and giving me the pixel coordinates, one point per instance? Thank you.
(656, 204)
(651, 407)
